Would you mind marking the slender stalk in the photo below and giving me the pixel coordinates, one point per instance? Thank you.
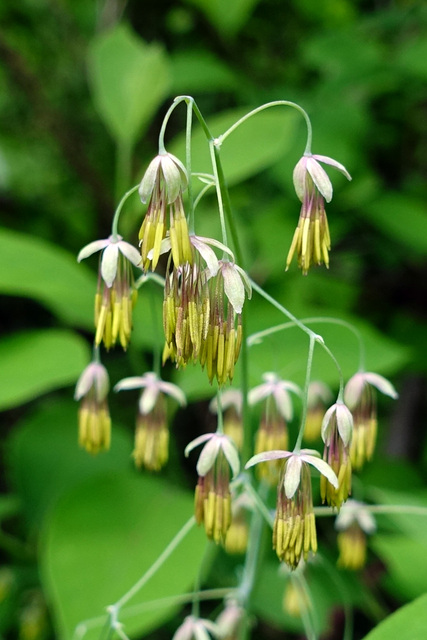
(275, 103)
(297, 447)
(219, 189)
(169, 112)
(157, 353)
(115, 223)
(157, 564)
(188, 128)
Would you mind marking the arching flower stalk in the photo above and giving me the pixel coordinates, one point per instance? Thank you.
(337, 428)
(116, 295)
(272, 433)
(212, 497)
(294, 531)
(152, 432)
(360, 397)
(94, 417)
(311, 241)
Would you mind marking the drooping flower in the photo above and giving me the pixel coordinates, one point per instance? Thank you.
(272, 433)
(163, 184)
(221, 347)
(116, 294)
(337, 428)
(229, 621)
(294, 531)
(360, 397)
(186, 305)
(94, 417)
(196, 629)
(152, 433)
(311, 241)
(319, 395)
(212, 497)
(354, 523)
(231, 401)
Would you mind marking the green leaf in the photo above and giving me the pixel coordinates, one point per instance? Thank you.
(102, 537)
(406, 562)
(252, 147)
(400, 217)
(129, 80)
(199, 71)
(33, 268)
(36, 362)
(227, 17)
(408, 623)
(44, 460)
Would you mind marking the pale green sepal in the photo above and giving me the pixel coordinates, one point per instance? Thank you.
(208, 456)
(231, 454)
(382, 384)
(267, 456)
(320, 178)
(109, 262)
(91, 248)
(323, 467)
(195, 443)
(148, 181)
(292, 475)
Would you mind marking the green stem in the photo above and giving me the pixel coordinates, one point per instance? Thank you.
(219, 184)
(275, 103)
(157, 351)
(220, 422)
(306, 605)
(297, 447)
(260, 504)
(117, 213)
(157, 564)
(123, 167)
(188, 128)
(172, 108)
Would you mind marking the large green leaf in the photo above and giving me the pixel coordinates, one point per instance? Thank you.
(227, 17)
(252, 147)
(129, 80)
(102, 537)
(408, 623)
(34, 268)
(44, 460)
(402, 218)
(406, 562)
(35, 362)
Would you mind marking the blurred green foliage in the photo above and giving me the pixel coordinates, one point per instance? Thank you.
(83, 89)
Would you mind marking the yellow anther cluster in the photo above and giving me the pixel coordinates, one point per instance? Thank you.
(271, 435)
(213, 500)
(151, 444)
(311, 241)
(113, 314)
(342, 469)
(236, 540)
(352, 548)
(196, 325)
(294, 532)
(364, 439)
(153, 229)
(94, 424)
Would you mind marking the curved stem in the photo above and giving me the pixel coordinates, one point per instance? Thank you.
(202, 193)
(157, 564)
(220, 423)
(169, 112)
(219, 184)
(188, 128)
(297, 447)
(118, 211)
(275, 103)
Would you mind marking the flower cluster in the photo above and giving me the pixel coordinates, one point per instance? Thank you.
(360, 397)
(294, 531)
(212, 497)
(152, 433)
(337, 427)
(311, 241)
(272, 433)
(115, 296)
(94, 417)
(353, 523)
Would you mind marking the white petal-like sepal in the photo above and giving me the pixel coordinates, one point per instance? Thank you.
(91, 248)
(231, 454)
(323, 468)
(130, 252)
(208, 456)
(148, 181)
(300, 176)
(233, 286)
(382, 384)
(292, 475)
(320, 178)
(267, 456)
(344, 422)
(173, 391)
(109, 262)
(148, 399)
(195, 443)
(133, 382)
(333, 163)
